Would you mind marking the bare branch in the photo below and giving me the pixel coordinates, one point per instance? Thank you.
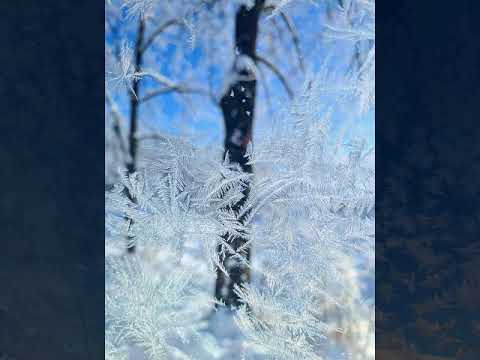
(151, 136)
(265, 87)
(277, 72)
(160, 30)
(295, 39)
(277, 28)
(271, 10)
(169, 86)
(117, 120)
(180, 89)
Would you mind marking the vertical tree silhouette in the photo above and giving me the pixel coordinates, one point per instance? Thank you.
(238, 107)
(134, 103)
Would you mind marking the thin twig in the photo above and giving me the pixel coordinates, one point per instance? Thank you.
(295, 39)
(173, 88)
(277, 72)
(117, 120)
(272, 9)
(160, 30)
(265, 87)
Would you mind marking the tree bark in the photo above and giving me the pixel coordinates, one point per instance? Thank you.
(238, 105)
(134, 103)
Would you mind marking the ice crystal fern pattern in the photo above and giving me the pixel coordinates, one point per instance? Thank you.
(310, 219)
(315, 220)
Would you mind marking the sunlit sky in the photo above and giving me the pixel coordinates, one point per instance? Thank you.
(203, 121)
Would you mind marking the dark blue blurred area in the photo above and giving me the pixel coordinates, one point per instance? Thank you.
(52, 161)
(427, 180)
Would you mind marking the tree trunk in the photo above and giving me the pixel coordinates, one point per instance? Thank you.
(134, 103)
(238, 104)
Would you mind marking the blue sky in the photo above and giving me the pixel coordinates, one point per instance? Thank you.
(164, 112)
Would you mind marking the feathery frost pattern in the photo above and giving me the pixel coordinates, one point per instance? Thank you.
(309, 217)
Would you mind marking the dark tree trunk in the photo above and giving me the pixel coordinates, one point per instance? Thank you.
(134, 103)
(238, 104)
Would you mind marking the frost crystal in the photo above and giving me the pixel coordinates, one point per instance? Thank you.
(309, 215)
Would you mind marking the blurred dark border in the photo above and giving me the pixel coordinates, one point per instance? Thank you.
(52, 176)
(427, 180)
